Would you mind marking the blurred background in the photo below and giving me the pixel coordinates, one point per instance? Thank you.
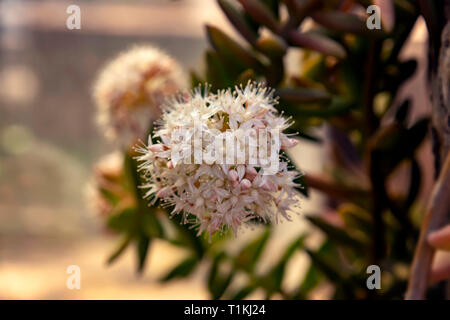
(49, 142)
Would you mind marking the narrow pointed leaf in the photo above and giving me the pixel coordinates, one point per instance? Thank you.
(237, 19)
(231, 50)
(337, 234)
(345, 22)
(317, 43)
(123, 244)
(272, 46)
(243, 292)
(249, 255)
(142, 250)
(183, 269)
(327, 268)
(259, 12)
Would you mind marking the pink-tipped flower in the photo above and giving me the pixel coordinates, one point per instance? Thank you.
(220, 195)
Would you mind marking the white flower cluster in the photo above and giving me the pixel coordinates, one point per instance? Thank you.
(131, 88)
(219, 194)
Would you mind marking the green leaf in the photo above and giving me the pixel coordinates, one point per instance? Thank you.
(187, 236)
(317, 43)
(245, 77)
(216, 73)
(272, 45)
(231, 51)
(150, 224)
(249, 255)
(109, 196)
(326, 267)
(183, 269)
(243, 292)
(356, 218)
(217, 281)
(123, 244)
(338, 235)
(143, 244)
(195, 80)
(238, 20)
(123, 221)
(274, 279)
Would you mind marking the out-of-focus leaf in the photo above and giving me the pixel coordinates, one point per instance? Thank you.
(195, 80)
(273, 6)
(231, 51)
(216, 73)
(249, 255)
(271, 45)
(109, 196)
(243, 292)
(143, 244)
(274, 72)
(313, 277)
(337, 234)
(187, 236)
(122, 221)
(387, 13)
(356, 218)
(237, 19)
(151, 225)
(303, 95)
(317, 43)
(259, 11)
(123, 244)
(300, 8)
(245, 77)
(183, 269)
(345, 22)
(326, 267)
(217, 281)
(274, 279)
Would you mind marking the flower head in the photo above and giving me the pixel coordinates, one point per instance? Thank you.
(131, 88)
(198, 177)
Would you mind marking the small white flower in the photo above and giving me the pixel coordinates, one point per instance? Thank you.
(219, 195)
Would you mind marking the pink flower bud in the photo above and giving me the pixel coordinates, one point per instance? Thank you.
(157, 147)
(288, 143)
(250, 173)
(233, 175)
(245, 184)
